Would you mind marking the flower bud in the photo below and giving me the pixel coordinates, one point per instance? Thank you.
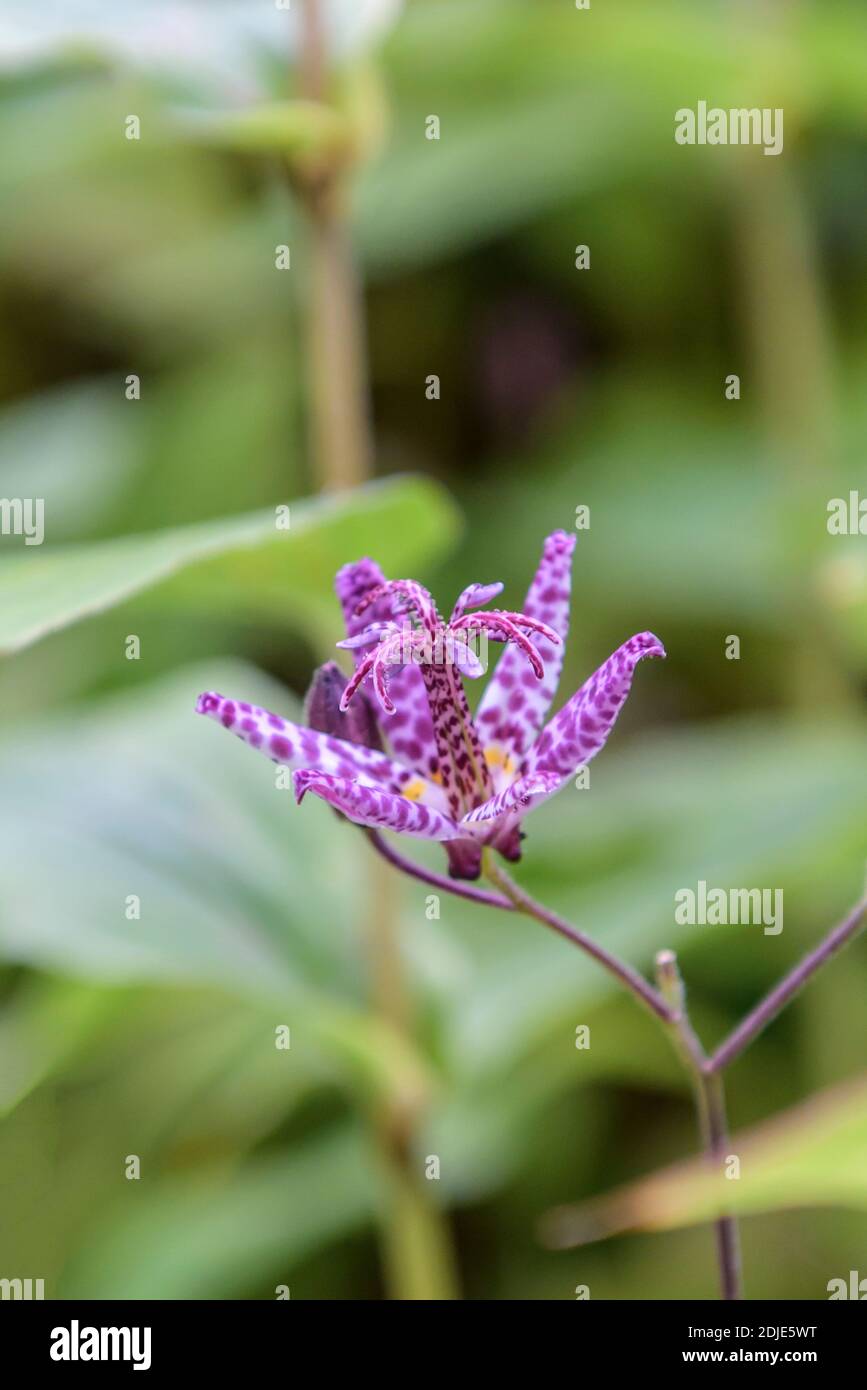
(322, 711)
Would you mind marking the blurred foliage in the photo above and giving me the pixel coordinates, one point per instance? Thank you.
(559, 388)
(812, 1156)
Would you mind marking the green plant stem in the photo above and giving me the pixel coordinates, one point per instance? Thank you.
(340, 424)
(417, 1243)
(339, 421)
(415, 1237)
(417, 1252)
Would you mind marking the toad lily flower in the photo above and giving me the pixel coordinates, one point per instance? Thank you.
(421, 764)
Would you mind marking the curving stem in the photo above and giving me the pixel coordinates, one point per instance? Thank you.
(635, 983)
(668, 1004)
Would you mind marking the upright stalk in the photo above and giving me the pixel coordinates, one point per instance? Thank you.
(339, 420)
(416, 1244)
(711, 1108)
(340, 425)
(716, 1140)
(668, 1004)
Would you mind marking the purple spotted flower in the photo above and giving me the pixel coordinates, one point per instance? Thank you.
(416, 761)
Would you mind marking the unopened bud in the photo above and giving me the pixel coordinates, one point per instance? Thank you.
(322, 711)
(669, 980)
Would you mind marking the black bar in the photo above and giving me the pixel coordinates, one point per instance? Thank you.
(240, 1337)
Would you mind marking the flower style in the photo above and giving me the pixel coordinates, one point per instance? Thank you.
(420, 764)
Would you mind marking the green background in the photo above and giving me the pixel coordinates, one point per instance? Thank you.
(559, 388)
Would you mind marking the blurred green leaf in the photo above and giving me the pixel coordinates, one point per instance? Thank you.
(242, 564)
(813, 1155)
(208, 1235)
(43, 1027)
(139, 796)
(540, 102)
(72, 448)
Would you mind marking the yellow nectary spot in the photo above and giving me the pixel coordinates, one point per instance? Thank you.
(414, 790)
(497, 757)
(437, 777)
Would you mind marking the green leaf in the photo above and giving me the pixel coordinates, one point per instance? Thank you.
(241, 564)
(812, 1155)
(237, 885)
(42, 1028)
(540, 104)
(209, 1235)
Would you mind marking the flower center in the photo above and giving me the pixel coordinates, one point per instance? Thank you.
(443, 652)
(466, 779)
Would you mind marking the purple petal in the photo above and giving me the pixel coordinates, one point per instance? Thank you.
(514, 704)
(475, 596)
(581, 728)
(371, 806)
(352, 584)
(514, 802)
(374, 632)
(297, 747)
(467, 661)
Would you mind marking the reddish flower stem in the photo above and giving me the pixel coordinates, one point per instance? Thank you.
(445, 885)
(779, 996)
(634, 982)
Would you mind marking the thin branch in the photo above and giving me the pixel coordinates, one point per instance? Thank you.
(634, 982)
(780, 995)
(446, 885)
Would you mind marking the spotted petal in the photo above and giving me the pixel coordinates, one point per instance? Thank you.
(514, 705)
(582, 726)
(509, 806)
(297, 747)
(372, 806)
(409, 729)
